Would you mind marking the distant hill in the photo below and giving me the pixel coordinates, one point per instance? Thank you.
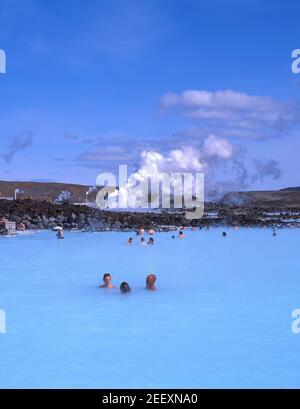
(45, 190)
(284, 198)
(292, 189)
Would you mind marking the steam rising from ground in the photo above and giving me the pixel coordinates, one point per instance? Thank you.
(20, 143)
(222, 163)
(191, 160)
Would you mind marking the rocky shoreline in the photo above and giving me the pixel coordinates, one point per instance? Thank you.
(44, 215)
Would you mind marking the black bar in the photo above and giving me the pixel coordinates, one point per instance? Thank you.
(87, 398)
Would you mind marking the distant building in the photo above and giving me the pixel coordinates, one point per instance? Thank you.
(7, 227)
(10, 227)
(6, 198)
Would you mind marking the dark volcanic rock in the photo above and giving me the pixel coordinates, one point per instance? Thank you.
(42, 214)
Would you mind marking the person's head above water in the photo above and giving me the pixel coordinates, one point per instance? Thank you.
(130, 240)
(150, 281)
(151, 240)
(124, 288)
(107, 281)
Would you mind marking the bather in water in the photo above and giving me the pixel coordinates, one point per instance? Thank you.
(21, 227)
(107, 281)
(125, 288)
(181, 235)
(150, 282)
(60, 234)
(151, 240)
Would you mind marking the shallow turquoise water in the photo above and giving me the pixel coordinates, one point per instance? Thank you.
(221, 317)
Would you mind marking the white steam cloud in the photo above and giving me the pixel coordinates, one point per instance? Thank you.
(155, 165)
(215, 147)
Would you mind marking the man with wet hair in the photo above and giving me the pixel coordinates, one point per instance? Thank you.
(150, 282)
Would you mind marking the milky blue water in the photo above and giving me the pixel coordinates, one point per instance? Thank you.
(221, 316)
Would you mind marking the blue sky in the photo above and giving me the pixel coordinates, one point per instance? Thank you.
(92, 84)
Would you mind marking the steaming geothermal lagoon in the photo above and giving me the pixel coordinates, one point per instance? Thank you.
(221, 316)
